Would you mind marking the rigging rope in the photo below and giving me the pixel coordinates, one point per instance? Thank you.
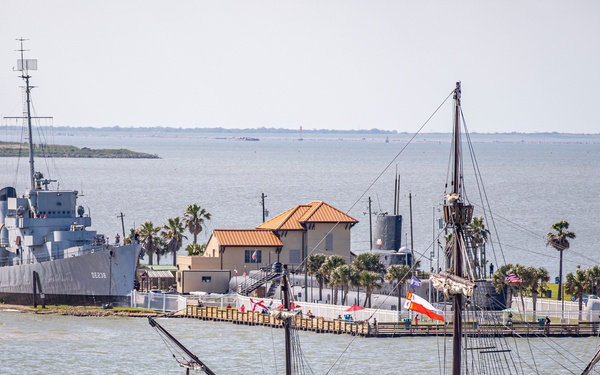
(361, 196)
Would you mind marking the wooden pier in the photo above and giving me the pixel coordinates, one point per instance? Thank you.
(401, 329)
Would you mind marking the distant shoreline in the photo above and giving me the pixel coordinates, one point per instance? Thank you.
(14, 149)
(67, 131)
(79, 311)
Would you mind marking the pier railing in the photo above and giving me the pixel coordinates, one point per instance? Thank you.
(320, 324)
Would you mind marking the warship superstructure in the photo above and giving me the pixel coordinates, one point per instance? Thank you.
(46, 252)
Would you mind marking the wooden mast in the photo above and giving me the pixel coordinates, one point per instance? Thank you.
(287, 323)
(457, 301)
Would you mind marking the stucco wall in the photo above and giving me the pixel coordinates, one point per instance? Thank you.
(215, 281)
(315, 240)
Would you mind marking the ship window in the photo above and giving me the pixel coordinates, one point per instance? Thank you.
(206, 279)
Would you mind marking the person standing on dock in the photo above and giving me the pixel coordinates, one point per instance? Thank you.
(547, 325)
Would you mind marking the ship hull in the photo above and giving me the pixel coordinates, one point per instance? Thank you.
(104, 276)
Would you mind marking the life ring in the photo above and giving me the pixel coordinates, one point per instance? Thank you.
(18, 241)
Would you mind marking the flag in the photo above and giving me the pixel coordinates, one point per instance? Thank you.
(415, 282)
(511, 278)
(254, 255)
(421, 305)
(256, 304)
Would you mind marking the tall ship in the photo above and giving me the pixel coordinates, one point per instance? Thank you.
(47, 254)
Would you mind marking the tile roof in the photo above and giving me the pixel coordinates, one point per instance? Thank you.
(321, 212)
(314, 212)
(246, 237)
(289, 220)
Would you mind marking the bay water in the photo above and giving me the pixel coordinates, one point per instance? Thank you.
(53, 344)
(530, 181)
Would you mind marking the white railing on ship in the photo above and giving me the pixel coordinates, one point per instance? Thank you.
(67, 253)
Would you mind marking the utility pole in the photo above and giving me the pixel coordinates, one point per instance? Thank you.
(265, 213)
(122, 225)
(370, 227)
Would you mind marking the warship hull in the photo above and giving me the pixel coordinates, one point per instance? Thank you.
(103, 276)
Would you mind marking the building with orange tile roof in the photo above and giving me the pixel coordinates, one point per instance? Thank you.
(288, 238)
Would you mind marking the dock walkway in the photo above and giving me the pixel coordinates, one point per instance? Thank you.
(401, 329)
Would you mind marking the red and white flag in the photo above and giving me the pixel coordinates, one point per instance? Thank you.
(511, 278)
(256, 304)
(421, 305)
(254, 255)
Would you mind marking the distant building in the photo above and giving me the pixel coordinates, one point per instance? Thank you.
(288, 238)
(311, 229)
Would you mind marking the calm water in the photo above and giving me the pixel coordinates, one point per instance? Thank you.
(530, 185)
(37, 344)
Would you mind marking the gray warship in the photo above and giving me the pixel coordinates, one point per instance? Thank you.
(46, 252)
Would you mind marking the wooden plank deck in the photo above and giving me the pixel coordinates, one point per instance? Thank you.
(401, 329)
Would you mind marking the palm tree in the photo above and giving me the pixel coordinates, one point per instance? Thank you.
(147, 232)
(344, 275)
(540, 278)
(366, 262)
(399, 273)
(534, 281)
(499, 282)
(370, 281)
(594, 277)
(193, 219)
(173, 235)
(355, 281)
(577, 285)
(160, 248)
(314, 264)
(479, 236)
(331, 263)
(129, 239)
(335, 281)
(195, 249)
(560, 241)
(369, 262)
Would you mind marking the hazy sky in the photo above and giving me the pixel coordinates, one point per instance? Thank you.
(526, 66)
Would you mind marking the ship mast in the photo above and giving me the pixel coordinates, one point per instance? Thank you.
(287, 323)
(457, 215)
(24, 66)
(457, 302)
